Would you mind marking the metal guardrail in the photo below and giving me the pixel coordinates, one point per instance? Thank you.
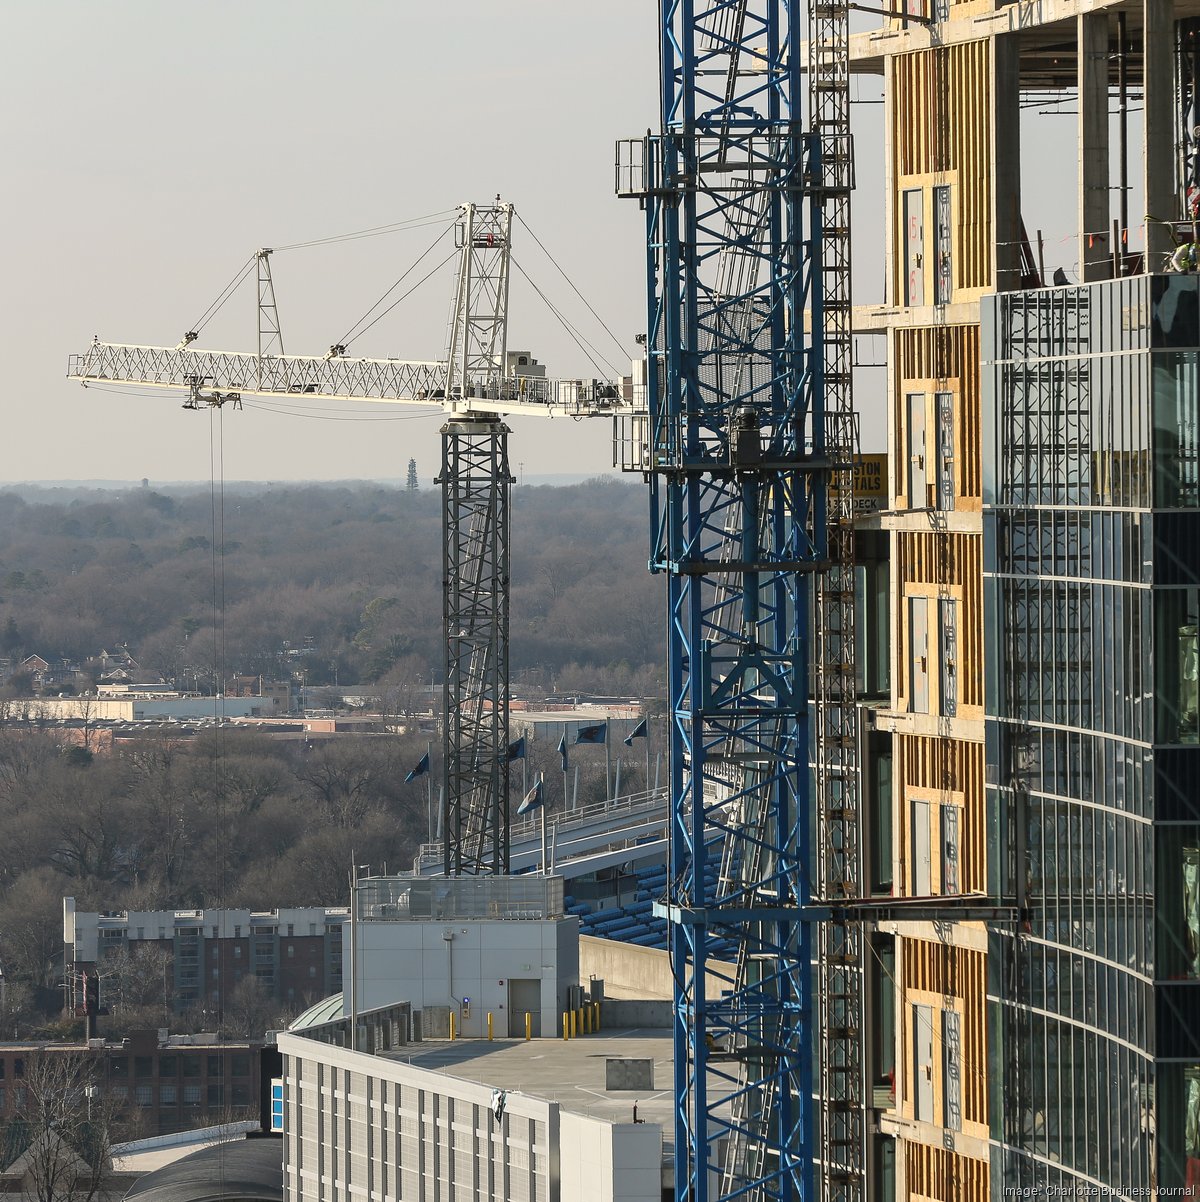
(455, 899)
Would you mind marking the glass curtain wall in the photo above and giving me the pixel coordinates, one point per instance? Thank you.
(1091, 599)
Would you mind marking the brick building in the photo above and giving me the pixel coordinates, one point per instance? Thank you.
(167, 1082)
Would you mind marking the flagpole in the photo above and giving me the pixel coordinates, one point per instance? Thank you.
(542, 807)
(646, 786)
(429, 790)
(607, 764)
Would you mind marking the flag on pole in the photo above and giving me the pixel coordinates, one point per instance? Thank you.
(532, 799)
(562, 750)
(516, 749)
(420, 770)
(592, 734)
(638, 732)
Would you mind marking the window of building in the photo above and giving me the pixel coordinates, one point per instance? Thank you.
(882, 984)
(1177, 903)
(168, 1066)
(216, 972)
(191, 1066)
(240, 1065)
(19, 1066)
(143, 1095)
(168, 1095)
(191, 1095)
(312, 970)
(240, 1094)
(933, 656)
(214, 1066)
(1, 1097)
(120, 1093)
(1177, 630)
(143, 1066)
(3, 1066)
(936, 1065)
(216, 1094)
(237, 932)
(877, 782)
(291, 952)
(237, 952)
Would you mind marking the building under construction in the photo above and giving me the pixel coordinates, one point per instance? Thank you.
(964, 957)
(1039, 746)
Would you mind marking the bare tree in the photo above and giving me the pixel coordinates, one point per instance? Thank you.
(70, 1123)
(138, 985)
(250, 1011)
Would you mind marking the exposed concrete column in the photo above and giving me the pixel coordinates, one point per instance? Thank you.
(1006, 161)
(1158, 130)
(1095, 254)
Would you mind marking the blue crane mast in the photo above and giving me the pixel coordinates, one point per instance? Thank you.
(734, 447)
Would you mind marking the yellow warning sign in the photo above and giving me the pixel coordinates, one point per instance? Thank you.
(870, 483)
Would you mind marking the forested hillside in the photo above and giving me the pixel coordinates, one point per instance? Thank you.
(347, 579)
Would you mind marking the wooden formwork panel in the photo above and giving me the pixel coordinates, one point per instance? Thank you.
(941, 101)
(931, 360)
(943, 564)
(942, 771)
(939, 1175)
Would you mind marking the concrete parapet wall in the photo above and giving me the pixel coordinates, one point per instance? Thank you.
(638, 973)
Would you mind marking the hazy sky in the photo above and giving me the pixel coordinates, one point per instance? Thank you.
(150, 146)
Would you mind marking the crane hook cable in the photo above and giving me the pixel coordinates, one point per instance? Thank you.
(353, 332)
(621, 346)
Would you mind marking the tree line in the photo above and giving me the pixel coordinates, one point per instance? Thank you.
(341, 584)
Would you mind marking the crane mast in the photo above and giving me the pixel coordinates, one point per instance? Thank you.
(734, 448)
(475, 389)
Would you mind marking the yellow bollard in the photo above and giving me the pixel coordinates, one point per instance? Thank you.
(574, 1028)
(528, 1025)
(452, 1018)
(596, 1011)
(566, 1026)
(489, 1025)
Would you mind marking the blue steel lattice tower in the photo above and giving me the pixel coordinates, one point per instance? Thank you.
(734, 452)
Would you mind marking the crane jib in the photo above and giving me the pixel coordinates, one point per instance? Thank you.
(397, 381)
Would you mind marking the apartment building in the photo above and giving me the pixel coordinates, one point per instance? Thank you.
(295, 953)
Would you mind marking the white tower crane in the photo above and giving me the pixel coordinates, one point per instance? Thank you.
(474, 388)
